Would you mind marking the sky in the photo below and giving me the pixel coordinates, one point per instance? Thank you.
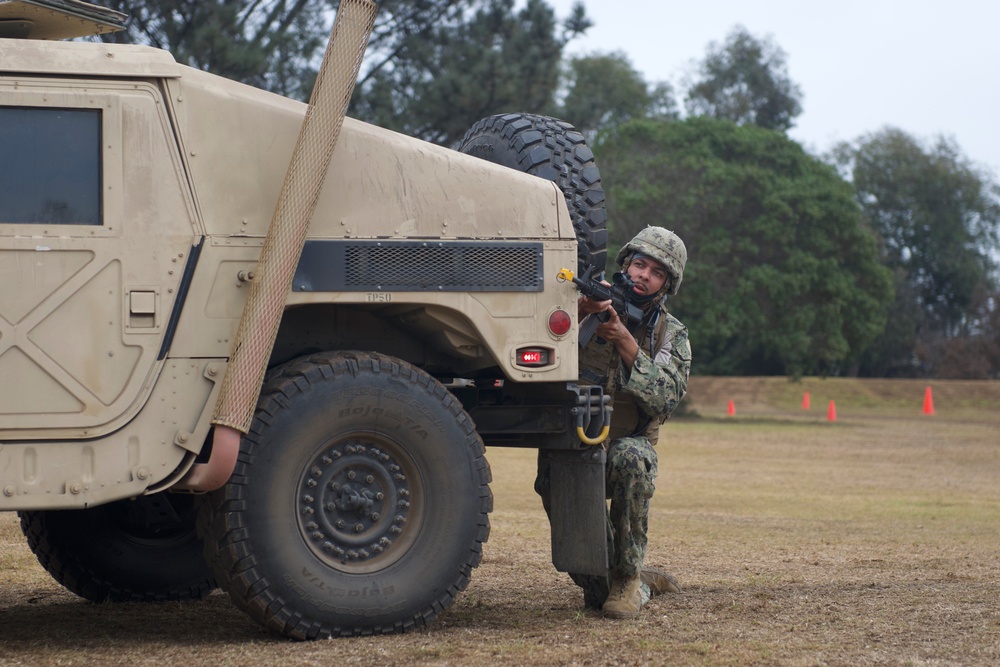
(927, 68)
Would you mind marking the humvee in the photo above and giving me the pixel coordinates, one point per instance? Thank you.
(424, 323)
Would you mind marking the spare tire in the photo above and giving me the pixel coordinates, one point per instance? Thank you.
(552, 149)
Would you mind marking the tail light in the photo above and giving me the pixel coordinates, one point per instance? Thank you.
(534, 356)
(559, 322)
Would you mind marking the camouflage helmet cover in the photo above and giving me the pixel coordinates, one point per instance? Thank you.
(662, 245)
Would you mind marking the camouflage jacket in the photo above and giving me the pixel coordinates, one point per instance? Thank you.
(646, 394)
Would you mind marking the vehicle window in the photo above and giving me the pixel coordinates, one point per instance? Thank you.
(50, 169)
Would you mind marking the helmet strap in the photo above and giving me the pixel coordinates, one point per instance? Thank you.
(640, 300)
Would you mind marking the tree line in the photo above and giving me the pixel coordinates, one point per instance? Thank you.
(878, 259)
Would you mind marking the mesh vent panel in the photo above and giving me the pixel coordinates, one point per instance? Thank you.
(415, 266)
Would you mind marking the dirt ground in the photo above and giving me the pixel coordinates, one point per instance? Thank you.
(870, 540)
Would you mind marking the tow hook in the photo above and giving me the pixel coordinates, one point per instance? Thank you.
(593, 413)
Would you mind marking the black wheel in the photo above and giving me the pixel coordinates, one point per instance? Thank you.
(140, 550)
(359, 504)
(554, 150)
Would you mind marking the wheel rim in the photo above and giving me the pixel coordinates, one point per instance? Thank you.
(359, 505)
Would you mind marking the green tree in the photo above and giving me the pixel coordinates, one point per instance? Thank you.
(604, 90)
(745, 80)
(938, 217)
(782, 276)
(469, 65)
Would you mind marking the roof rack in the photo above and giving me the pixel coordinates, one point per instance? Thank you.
(57, 19)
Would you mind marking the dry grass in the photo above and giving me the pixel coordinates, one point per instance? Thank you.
(872, 540)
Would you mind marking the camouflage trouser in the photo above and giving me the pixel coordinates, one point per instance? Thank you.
(630, 476)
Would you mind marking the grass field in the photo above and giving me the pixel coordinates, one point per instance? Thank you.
(873, 539)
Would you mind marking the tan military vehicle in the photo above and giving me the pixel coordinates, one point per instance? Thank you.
(424, 322)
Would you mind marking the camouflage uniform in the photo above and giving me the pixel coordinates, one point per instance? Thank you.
(644, 396)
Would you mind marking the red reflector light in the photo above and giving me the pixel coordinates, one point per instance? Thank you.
(533, 356)
(559, 322)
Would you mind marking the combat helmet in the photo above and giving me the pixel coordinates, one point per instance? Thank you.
(662, 245)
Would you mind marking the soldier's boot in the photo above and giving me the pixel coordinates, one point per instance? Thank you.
(659, 581)
(624, 599)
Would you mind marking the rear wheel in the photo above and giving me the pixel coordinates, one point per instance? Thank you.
(554, 150)
(359, 504)
(138, 550)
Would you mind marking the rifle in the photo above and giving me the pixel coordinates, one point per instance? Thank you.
(594, 289)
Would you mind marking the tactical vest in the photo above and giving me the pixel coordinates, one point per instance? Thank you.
(599, 363)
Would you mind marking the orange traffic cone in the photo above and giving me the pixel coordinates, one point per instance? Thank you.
(731, 409)
(831, 412)
(805, 401)
(928, 401)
